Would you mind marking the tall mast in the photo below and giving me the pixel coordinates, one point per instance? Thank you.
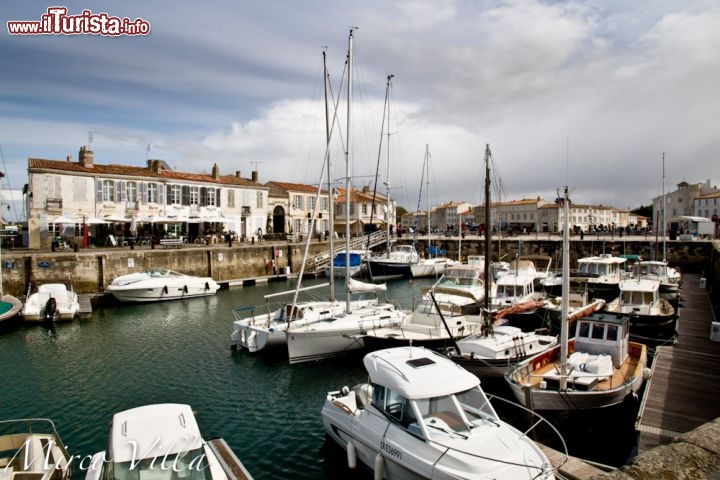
(565, 299)
(387, 176)
(331, 207)
(347, 173)
(486, 266)
(427, 195)
(663, 208)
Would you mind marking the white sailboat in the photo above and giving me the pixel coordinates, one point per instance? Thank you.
(598, 368)
(340, 334)
(432, 265)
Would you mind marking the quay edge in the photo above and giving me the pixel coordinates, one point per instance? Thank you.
(91, 270)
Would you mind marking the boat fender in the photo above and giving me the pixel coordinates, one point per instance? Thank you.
(165, 290)
(185, 289)
(351, 455)
(379, 467)
(207, 286)
(646, 373)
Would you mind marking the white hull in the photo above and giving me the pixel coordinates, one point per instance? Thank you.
(67, 303)
(160, 285)
(320, 340)
(432, 267)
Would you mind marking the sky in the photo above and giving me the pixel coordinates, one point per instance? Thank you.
(615, 99)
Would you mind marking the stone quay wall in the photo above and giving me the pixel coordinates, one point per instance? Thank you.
(91, 270)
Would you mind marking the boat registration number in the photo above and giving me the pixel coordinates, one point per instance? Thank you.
(390, 450)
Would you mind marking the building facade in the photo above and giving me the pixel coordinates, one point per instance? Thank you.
(63, 197)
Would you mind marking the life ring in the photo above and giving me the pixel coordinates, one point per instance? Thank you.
(165, 290)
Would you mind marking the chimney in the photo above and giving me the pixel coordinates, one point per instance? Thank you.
(69, 158)
(237, 174)
(85, 157)
(155, 165)
(215, 172)
(254, 177)
(366, 189)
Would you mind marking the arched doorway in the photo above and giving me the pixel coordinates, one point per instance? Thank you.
(278, 219)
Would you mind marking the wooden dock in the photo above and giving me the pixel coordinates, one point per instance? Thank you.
(683, 392)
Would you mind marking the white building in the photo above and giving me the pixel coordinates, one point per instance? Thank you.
(182, 204)
(680, 202)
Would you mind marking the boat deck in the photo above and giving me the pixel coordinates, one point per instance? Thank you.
(683, 390)
(619, 377)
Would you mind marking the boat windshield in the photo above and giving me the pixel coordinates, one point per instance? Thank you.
(190, 465)
(457, 413)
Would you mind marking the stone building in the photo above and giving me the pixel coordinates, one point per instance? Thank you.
(63, 197)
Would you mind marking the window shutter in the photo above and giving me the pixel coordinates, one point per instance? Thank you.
(168, 195)
(217, 197)
(185, 195)
(203, 196)
(143, 192)
(98, 191)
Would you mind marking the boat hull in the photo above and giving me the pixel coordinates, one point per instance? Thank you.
(381, 270)
(164, 289)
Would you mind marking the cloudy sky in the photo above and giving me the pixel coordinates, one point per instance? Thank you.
(585, 93)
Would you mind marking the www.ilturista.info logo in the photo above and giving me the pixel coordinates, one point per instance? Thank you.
(57, 22)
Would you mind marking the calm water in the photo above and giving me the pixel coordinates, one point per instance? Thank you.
(80, 373)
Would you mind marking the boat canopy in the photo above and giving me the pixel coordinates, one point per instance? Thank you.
(356, 286)
(413, 372)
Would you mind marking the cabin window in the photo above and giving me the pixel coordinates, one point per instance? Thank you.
(378, 399)
(598, 331)
(612, 332)
(584, 330)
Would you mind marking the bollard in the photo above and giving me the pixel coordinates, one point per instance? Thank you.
(75, 247)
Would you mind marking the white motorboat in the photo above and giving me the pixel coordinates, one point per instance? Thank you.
(163, 442)
(405, 423)
(462, 285)
(669, 277)
(598, 368)
(51, 302)
(518, 290)
(492, 353)
(160, 284)
(652, 318)
(30, 448)
(603, 273)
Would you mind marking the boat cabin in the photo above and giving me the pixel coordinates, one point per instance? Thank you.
(408, 390)
(603, 334)
(511, 287)
(603, 266)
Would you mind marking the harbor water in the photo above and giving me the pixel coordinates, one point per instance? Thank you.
(82, 372)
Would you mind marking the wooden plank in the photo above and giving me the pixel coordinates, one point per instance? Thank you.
(683, 391)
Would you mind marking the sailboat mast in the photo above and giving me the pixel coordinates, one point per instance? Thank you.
(427, 195)
(331, 205)
(663, 208)
(488, 231)
(387, 176)
(565, 299)
(347, 173)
